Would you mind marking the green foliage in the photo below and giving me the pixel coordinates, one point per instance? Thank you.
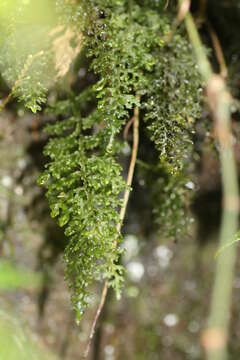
(172, 105)
(135, 65)
(172, 197)
(17, 342)
(84, 183)
(13, 278)
(26, 57)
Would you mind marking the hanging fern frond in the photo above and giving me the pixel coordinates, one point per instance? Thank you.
(132, 58)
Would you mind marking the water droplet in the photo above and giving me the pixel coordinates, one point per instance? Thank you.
(171, 320)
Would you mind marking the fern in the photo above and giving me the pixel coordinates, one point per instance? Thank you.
(27, 54)
(135, 66)
(172, 105)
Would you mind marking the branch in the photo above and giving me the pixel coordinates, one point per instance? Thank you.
(121, 219)
(214, 339)
(131, 167)
(98, 313)
(218, 51)
(5, 101)
(127, 128)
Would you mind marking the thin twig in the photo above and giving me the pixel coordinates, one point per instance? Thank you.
(218, 51)
(166, 4)
(184, 7)
(131, 167)
(98, 313)
(121, 218)
(201, 13)
(202, 17)
(127, 128)
(202, 7)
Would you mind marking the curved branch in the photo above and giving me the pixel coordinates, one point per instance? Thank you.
(218, 51)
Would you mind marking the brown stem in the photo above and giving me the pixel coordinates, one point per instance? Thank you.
(98, 313)
(131, 167)
(184, 6)
(166, 5)
(127, 128)
(218, 51)
(121, 218)
(99, 333)
(5, 101)
(201, 13)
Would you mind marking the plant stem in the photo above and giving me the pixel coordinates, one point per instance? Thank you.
(121, 219)
(98, 313)
(214, 338)
(131, 167)
(5, 102)
(218, 51)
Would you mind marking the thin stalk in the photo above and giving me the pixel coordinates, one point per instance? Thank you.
(121, 219)
(97, 315)
(214, 338)
(5, 101)
(218, 51)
